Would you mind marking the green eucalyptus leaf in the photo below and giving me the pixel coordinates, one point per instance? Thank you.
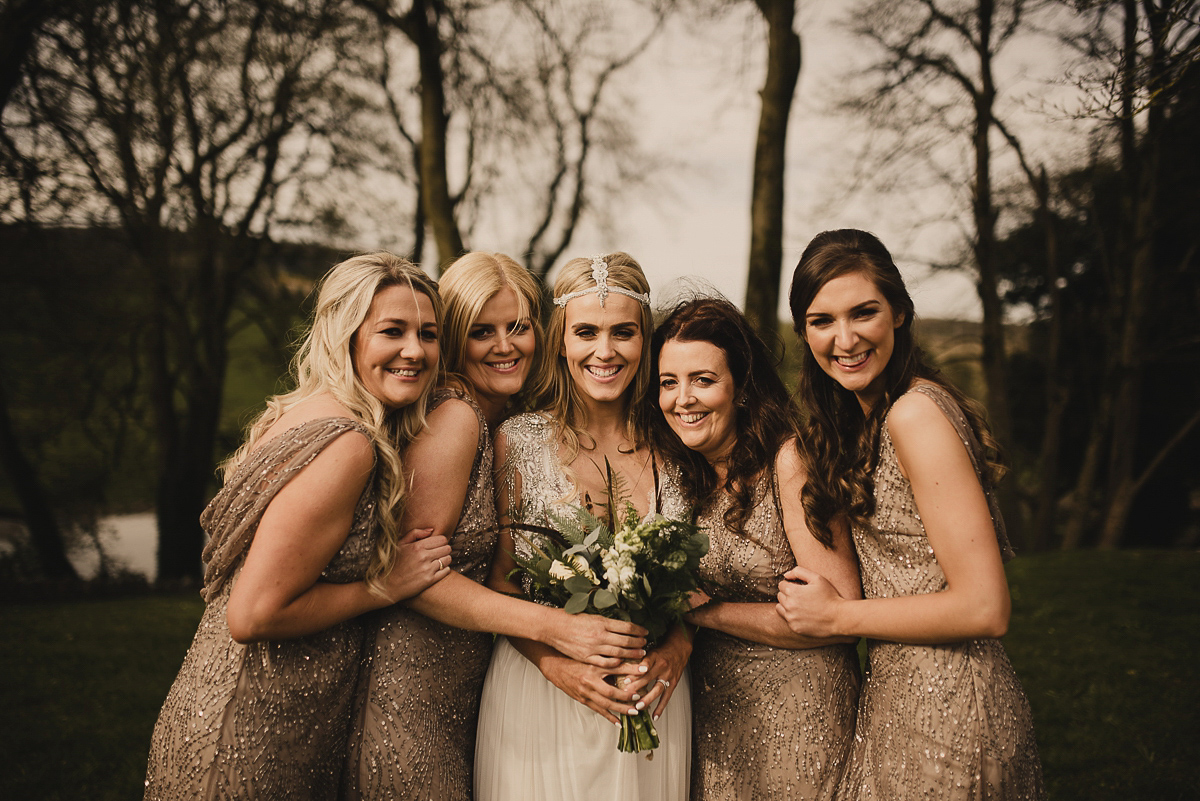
(578, 603)
(578, 584)
(604, 599)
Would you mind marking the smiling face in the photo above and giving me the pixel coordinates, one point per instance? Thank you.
(395, 349)
(851, 330)
(500, 348)
(696, 394)
(602, 345)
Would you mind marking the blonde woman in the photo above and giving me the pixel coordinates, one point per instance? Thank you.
(546, 721)
(414, 734)
(304, 538)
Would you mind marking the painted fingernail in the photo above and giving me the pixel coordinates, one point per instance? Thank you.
(631, 711)
(636, 696)
(641, 705)
(642, 668)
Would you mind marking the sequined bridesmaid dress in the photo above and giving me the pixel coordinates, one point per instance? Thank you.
(767, 722)
(267, 720)
(418, 693)
(935, 722)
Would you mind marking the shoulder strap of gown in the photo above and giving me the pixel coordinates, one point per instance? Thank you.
(232, 517)
(954, 413)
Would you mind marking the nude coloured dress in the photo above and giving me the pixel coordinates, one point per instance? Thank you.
(768, 722)
(418, 693)
(937, 722)
(267, 720)
(535, 742)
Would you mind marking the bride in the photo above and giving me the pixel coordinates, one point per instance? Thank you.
(547, 722)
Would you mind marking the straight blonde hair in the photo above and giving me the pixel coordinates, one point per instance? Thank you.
(557, 394)
(466, 286)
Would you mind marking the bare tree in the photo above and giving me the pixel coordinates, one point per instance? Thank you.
(1143, 60)
(936, 58)
(519, 117)
(770, 149)
(935, 77)
(187, 123)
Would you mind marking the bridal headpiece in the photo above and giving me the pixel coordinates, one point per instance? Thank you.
(602, 289)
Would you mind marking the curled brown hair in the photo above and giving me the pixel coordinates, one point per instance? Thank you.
(765, 415)
(840, 445)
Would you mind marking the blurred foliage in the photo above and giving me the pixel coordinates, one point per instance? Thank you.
(71, 318)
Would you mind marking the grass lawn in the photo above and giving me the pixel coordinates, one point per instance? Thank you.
(1105, 643)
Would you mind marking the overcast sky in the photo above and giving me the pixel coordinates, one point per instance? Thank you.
(697, 93)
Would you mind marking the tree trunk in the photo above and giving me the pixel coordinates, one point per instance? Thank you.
(1057, 387)
(1085, 482)
(186, 434)
(1139, 165)
(421, 26)
(766, 205)
(993, 357)
(44, 533)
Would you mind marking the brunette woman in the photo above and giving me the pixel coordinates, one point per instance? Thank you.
(773, 710)
(909, 462)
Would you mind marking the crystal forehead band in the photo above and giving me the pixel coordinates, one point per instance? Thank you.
(602, 289)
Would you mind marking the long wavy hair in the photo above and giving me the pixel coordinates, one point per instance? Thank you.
(839, 443)
(469, 283)
(765, 415)
(324, 363)
(556, 392)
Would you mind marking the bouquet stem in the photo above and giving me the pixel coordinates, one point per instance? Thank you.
(638, 734)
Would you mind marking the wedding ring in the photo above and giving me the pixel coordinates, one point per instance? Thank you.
(440, 565)
(665, 683)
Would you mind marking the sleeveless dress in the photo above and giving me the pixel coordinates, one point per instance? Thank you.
(269, 719)
(942, 722)
(767, 722)
(535, 742)
(417, 700)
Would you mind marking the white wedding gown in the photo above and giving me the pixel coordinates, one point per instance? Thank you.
(536, 743)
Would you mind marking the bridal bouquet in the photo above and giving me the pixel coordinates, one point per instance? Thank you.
(642, 572)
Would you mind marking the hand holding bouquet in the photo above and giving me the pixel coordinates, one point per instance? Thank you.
(642, 572)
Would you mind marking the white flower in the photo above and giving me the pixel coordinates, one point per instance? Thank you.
(620, 569)
(576, 565)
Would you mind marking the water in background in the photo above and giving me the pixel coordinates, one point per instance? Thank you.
(130, 543)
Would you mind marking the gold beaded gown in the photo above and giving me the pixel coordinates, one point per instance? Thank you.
(266, 720)
(935, 722)
(767, 722)
(418, 693)
(535, 742)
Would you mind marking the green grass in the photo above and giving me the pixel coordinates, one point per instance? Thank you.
(82, 686)
(1105, 643)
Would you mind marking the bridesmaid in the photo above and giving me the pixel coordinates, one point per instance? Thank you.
(909, 461)
(418, 693)
(304, 538)
(546, 722)
(773, 711)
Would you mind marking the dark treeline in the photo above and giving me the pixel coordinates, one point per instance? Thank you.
(156, 158)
